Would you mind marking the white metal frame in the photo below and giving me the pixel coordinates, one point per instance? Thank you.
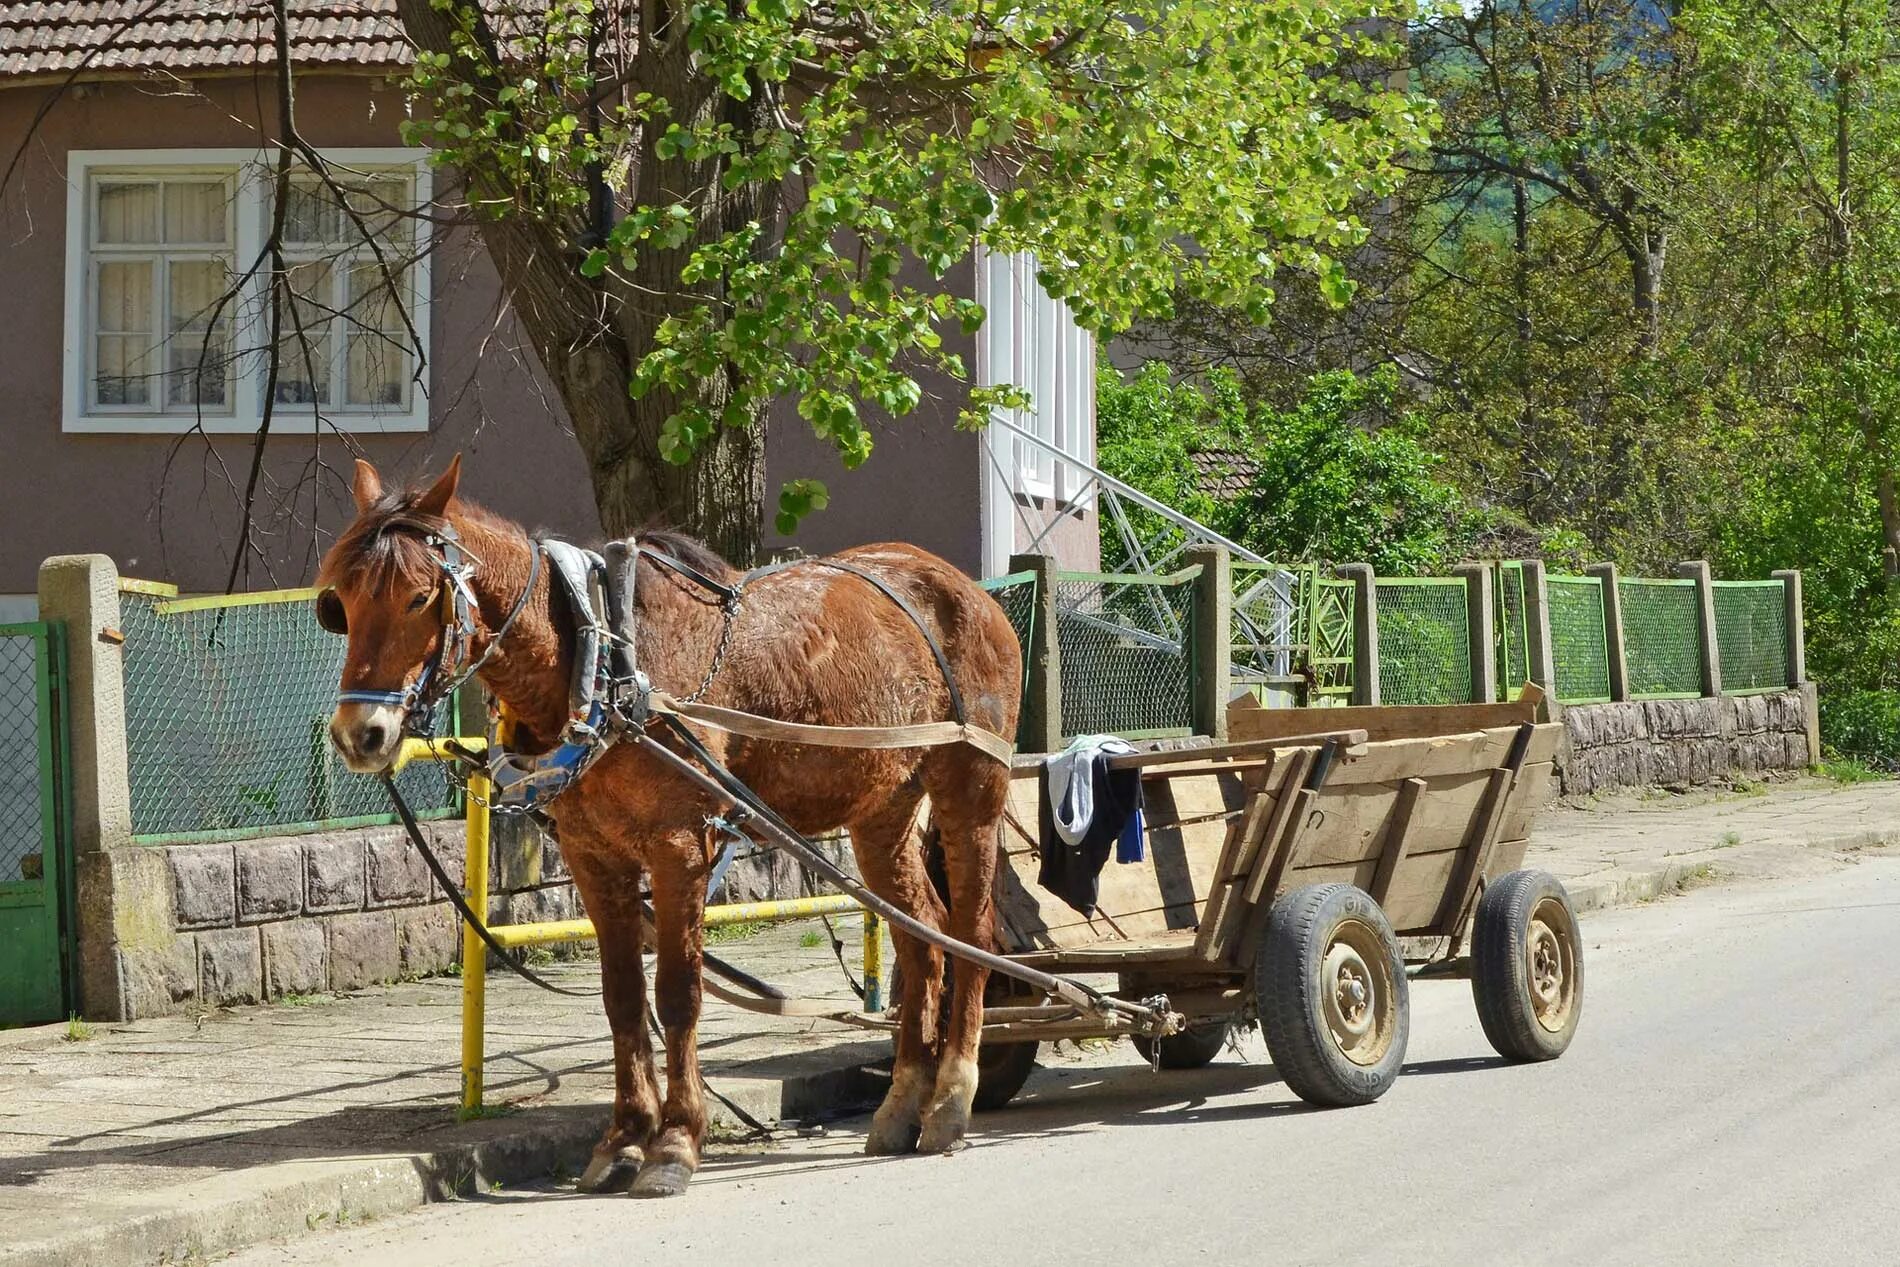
(244, 412)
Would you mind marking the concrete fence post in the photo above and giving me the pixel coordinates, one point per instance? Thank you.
(1481, 630)
(132, 962)
(82, 590)
(1039, 729)
(1613, 629)
(1213, 607)
(1708, 649)
(1543, 662)
(1365, 630)
(1790, 579)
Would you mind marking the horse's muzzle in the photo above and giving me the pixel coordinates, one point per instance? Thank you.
(367, 736)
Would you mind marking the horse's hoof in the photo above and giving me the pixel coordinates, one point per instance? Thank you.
(890, 1143)
(609, 1172)
(662, 1179)
(944, 1133)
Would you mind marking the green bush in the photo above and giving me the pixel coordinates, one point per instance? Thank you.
(1864, 725)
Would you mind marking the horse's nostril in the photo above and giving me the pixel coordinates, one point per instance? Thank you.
(372, 738)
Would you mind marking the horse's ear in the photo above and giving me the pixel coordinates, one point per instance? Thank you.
(436, 500)
(330, 613)
(368, 486)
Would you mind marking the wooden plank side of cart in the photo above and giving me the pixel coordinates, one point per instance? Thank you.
(1415, 821)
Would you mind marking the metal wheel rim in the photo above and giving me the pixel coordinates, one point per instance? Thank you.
(1550, 965)
(1357, 993)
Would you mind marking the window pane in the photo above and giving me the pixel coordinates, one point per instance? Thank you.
(124, 301)
(311, 216)
(382, 204)
(128, 212)
(303, 350)
(121, 373)
(197, 212)
(378, 369)
(198, 347)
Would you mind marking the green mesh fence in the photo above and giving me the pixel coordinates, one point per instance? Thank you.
(1127, 653)
(1751, 635)
(1579, 649)
(226, 715)
(24, 755)
(1016, 595)
(1513, 634)
(1660, 637)
(1424, 641)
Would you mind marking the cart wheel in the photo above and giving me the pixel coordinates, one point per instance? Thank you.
(1527, 966)
(1332, 995)
(1001, 1068)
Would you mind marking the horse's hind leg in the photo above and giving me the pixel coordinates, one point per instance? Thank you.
(967, 793)
(892, 864)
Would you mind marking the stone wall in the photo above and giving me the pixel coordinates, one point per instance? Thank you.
(252, 920)
(1685, 742)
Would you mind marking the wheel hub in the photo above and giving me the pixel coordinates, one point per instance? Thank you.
(1356, 995)
(1550, 962)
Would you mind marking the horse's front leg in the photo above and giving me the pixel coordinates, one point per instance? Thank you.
(610, 888)
(679, 901)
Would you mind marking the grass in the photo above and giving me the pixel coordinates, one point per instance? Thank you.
(77, 1031)
(724, 934)
(1848, 771)
(1728, 840)
(486, 1112)
(304, 1000)
(1745, 786)
(811, 939)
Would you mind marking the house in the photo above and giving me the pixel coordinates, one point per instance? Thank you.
(132, 398)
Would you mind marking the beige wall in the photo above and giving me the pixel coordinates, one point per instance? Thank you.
(164, 509)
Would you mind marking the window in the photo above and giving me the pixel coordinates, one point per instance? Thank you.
(164, 333)
(1029, 340)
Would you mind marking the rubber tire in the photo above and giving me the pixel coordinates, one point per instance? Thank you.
(1500, 970)
(1286, 980)
(1193, 1048)
(1001, 1068)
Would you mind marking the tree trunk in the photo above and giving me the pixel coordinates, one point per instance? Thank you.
(590, 335)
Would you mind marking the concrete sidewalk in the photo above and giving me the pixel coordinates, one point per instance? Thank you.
(182, 1138)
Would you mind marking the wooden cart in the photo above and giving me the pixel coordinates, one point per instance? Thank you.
(1293, 879)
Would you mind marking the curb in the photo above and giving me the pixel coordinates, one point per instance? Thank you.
(206, 1218)
(1627, 888)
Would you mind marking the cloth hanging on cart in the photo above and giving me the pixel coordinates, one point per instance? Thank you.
(1084, 808)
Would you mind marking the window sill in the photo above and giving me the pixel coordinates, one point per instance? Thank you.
(289, 424)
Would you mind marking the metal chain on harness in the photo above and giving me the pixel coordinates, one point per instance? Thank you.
(729, 614)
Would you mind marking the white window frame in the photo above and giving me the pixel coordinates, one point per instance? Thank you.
(1029, 340)
(244, 411)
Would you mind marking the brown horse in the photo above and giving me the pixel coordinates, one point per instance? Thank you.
(808, 644)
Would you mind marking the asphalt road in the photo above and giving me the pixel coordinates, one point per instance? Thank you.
(1733, 1096)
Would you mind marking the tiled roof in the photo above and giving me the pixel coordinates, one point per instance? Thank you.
(1224, 474)
(57, 37)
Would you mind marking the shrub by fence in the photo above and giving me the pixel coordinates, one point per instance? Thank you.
(1424, 640)
(1579, 642)
(227, 704)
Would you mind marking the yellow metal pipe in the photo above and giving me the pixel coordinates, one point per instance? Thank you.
(873, 962)
(773, 912)
(434, 750)
(474, 952)
(551, 934)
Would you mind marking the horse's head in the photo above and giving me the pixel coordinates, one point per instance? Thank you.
(387, 585)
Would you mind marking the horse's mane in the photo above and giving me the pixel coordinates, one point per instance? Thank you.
(691, 551)
(387, 544)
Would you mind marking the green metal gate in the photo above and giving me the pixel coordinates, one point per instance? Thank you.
(36, 866)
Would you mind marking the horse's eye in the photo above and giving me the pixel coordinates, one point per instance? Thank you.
(420, 601)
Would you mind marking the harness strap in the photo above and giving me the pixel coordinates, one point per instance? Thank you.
(934, 734)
